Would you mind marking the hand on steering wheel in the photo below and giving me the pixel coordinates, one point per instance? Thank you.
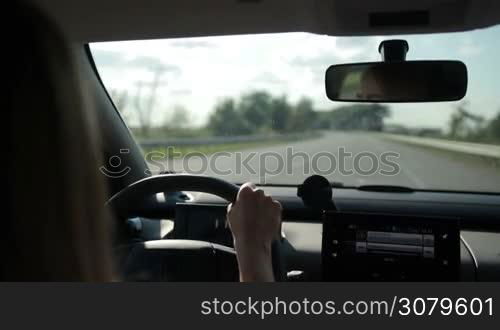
(255, 222)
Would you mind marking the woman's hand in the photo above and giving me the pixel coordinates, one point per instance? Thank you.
(255, 221)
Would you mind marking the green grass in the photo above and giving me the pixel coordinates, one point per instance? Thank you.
(181, 151)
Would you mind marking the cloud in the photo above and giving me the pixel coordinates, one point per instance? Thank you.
(114, 59)
(469, 48)
(152, 63)
(107, 57)
(180, 92)
(322, 60)
(317, 65)
(346, 50)
(268, 78)
(358, 45)
(192, 44)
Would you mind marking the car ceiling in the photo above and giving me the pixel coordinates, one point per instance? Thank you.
(106, 20)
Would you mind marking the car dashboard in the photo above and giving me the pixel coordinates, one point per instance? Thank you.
(371, 236)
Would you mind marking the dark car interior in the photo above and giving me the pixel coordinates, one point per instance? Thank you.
(172, 227)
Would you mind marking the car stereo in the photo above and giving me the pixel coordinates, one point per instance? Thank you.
(381, 247)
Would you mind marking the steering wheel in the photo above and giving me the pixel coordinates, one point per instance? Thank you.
(174, 259)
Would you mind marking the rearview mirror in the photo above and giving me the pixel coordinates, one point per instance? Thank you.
(406, 81)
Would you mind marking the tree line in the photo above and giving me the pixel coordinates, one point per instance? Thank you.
(259, 112)
(466, 126)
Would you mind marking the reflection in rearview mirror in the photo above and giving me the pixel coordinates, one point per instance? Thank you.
(411, 81)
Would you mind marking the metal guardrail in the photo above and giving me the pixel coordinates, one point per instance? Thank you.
(217, 140)
(477, 149)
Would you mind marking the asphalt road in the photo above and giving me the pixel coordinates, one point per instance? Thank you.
(351, 158)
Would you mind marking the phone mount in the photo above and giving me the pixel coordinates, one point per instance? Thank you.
(393, 50)
(316, 193)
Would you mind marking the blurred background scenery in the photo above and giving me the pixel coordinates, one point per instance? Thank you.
(258, 92)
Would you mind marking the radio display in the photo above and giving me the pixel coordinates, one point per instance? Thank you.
(377, 247)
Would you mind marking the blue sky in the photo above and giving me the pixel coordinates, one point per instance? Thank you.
(200, 71)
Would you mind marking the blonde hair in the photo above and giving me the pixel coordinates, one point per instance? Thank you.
(58, 228)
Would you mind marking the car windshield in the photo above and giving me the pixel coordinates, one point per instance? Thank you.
(253, 108)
